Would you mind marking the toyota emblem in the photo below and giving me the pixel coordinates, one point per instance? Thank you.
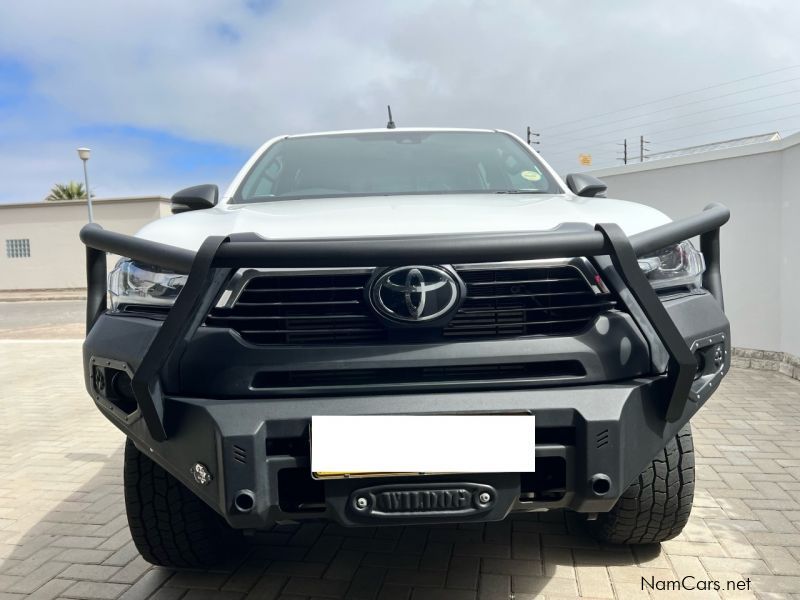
(415, 293)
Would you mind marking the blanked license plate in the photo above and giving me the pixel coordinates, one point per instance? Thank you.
(343, 446)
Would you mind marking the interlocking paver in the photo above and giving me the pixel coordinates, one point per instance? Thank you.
(63, 531)
(779, 560)
(366, 583)
(436, 556)
(522, 584)
(417, 578)
(426, 594)
(394, 592)
(89, 590)
(344, 564)
(511, 566)
(268, 586)
(324, 588)
(494, 587)
(463, 572)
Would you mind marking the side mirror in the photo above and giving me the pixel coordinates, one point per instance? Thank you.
(195, 198)
(586, 185)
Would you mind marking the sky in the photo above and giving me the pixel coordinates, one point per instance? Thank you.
(172, 94)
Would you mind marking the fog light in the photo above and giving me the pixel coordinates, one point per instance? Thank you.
(99, 380)
(701, 364)
(244, 501)
(719, 356)
(601, 484)
(122, 386)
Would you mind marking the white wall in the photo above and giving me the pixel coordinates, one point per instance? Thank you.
(760, 244)
(57, 258)
(790, 259)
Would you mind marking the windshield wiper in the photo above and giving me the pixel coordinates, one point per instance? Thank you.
(520, 192)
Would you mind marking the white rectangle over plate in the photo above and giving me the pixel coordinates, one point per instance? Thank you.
(422, 444)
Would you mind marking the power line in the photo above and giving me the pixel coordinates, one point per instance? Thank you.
(703, 89)
(590, 149)
(740, 127)
(675, 118)
(673, 107)
(744, 114)
(582, 143)
(706, 133)
(794, 116)
(594, 149)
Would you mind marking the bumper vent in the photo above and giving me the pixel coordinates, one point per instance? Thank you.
(239, 454)
(461, 374)
(330, 308)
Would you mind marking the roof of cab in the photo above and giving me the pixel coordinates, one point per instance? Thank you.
(386, 130)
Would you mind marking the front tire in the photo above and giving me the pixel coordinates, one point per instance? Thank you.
(656, 506)
(170, 526)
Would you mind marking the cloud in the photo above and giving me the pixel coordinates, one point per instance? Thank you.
(234, 74)
(120, 166)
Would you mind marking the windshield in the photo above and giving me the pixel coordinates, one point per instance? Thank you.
(394, 162)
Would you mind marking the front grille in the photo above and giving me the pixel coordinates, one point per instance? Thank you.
(509, 300)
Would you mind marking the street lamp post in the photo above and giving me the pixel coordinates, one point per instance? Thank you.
(84, 153)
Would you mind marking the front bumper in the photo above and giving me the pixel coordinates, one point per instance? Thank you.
(605, 428)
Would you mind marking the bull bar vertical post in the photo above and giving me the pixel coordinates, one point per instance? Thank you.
(96, 286)
(712, 278)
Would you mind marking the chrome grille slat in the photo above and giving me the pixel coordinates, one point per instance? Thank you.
(301, 317)
(304, 289)
(514, 281)
(302, 330)
(315, 303)
(531, 295)
(608, 304)
(472, 325)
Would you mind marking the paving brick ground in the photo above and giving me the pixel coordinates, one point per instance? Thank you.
(63, 531)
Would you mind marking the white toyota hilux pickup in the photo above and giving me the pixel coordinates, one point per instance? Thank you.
(402, 327)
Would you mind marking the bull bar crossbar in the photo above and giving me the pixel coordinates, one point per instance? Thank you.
(209, 268)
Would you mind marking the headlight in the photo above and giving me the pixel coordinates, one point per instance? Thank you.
(675, 266)
(133, 283)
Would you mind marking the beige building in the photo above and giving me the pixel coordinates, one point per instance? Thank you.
(39, 244)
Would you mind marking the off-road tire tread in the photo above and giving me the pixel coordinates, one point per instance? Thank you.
(656, 506)
(170, 526)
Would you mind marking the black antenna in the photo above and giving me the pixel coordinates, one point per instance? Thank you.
(390, 124)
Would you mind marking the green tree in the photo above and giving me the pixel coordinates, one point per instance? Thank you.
(67, 191)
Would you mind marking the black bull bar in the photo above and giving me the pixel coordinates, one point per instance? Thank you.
(210, 267)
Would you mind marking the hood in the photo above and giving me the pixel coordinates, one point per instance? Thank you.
(375, 216)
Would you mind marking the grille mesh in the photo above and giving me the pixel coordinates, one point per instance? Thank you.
(302, 309)
(503, 302)
(330, 308)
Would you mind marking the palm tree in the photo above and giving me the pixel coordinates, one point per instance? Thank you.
(67, 191)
